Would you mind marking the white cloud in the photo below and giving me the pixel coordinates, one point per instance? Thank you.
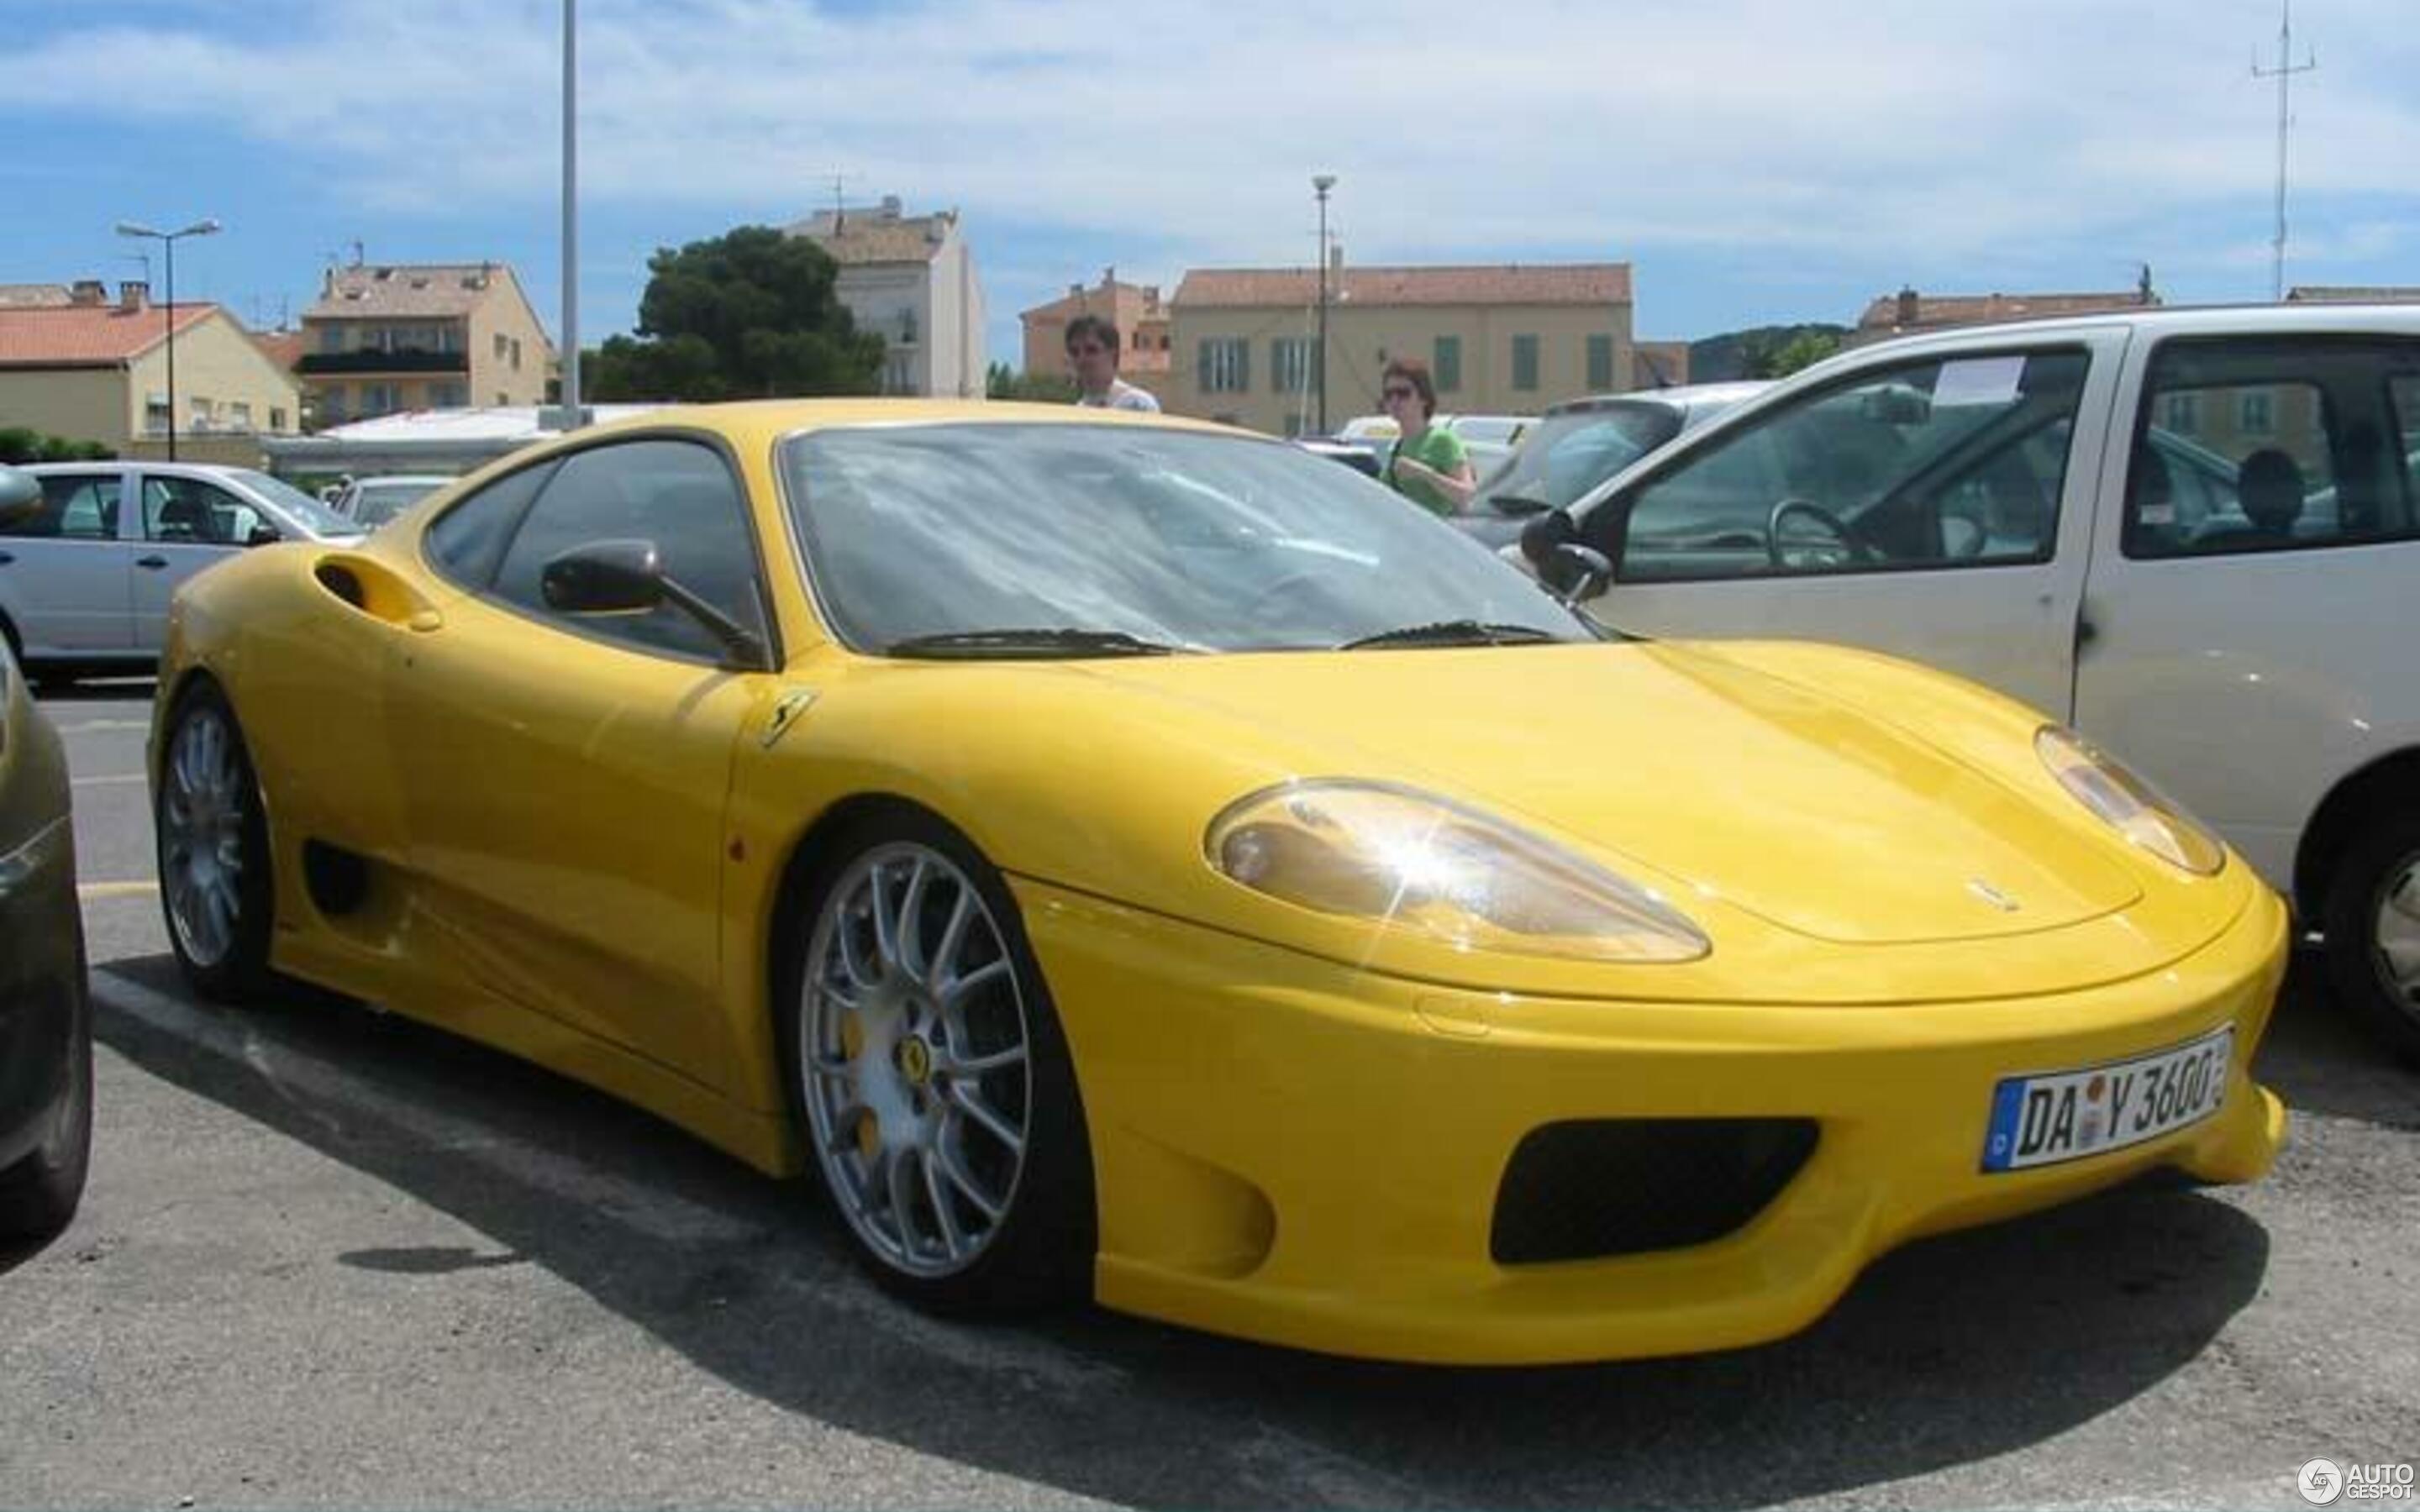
(1919, 133)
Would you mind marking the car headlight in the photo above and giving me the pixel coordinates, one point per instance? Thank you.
(1421, 864)
(2126, 803)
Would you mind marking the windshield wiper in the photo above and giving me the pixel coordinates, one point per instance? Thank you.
(1010, 644)
(1454, 633)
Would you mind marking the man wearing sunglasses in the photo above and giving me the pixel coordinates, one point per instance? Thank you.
(1093, 352)
(1429, 466)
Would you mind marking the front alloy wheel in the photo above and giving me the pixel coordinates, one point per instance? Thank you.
(935, 1086)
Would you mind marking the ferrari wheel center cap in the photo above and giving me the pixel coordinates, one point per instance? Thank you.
(915, 1061)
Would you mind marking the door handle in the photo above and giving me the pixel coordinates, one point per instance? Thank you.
(155, 562)
(7, 557)
(2085, 633)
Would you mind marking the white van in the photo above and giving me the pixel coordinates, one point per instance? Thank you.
(2192, 533)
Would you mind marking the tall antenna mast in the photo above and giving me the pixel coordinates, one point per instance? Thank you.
(2285, 70)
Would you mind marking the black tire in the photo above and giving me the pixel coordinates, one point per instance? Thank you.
(1039, 1252)
(2386, 853)
(234, 967)
(38, 1195)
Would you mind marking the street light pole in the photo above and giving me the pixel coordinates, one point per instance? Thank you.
(168, 240)
(570, 395)
(1321, 184)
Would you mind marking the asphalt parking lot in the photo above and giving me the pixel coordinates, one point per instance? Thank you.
(330, 1258)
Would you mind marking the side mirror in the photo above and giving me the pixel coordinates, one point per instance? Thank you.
(1586, 567)
(604, 578)
(1538, 539)
(21, 495)
(262, 535)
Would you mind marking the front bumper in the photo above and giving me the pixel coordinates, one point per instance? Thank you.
(1290, 1150)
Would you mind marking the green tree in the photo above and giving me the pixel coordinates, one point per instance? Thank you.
(751, 314)
(1045, 388)
(1803, 348)
(18, 444)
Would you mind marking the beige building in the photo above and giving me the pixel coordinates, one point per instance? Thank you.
(90, 368)
(1136, 309)
(390, 337)
(909, 279)
(1507, 339)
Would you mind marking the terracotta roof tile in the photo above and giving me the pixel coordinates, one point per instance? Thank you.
(406, 290)
(1506, 284)
(85, 335)
(872, 237)
(1936, 310)
(283, 347)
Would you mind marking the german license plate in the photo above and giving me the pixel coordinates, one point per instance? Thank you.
(2068, 1115)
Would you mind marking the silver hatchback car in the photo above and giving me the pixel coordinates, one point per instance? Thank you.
(85, 580)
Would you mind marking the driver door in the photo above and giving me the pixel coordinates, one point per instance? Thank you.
(187, 525)
(1937, 509)
(564, 777)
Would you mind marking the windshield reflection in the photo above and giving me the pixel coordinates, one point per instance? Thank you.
(1187, 540)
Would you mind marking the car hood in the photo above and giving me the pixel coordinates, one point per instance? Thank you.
(1708, 779)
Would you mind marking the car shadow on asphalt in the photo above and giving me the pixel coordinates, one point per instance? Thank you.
(1949, 1351)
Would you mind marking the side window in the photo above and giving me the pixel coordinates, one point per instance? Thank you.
(1953, 462)
(186, 511)
(73, 508)
(466, 541)
(679, 495)
(2300, 444)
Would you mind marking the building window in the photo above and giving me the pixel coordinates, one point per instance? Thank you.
(1446, 369)
(1226, 365)
(2182, 413)
(332, 338)
(377, 399)
(155, 415)
(517, 354)
(908, 328)
(1600, 362)
(1525, 364)
(1290, 364)
(449, 395)
(277, 420)
(2256, 413)
(502, 346)
(239, 414)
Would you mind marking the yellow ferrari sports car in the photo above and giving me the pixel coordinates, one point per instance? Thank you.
(1120, 857)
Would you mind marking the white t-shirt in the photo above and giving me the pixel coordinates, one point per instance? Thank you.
(1121, 396)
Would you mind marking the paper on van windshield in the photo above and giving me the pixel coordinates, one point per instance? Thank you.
(1978, 380)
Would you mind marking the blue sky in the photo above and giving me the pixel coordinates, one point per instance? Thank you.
(1754, 161)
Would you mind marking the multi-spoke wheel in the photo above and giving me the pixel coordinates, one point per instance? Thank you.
(2373, 929)
(214, 849)
(935, 1086)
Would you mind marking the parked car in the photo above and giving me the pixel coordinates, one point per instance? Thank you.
(1359, 459)
(84, 582)
(45, 1016)
(370, 502)
(1579, 444)
(2192, 532)
(1196, 910)
(1489, 440)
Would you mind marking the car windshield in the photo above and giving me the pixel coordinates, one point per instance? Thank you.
(1151, 538)
(319, 518)
(1566, 455)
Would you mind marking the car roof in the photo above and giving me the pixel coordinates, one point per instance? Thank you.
(2310, 318)
(1677, 396)
(119, 464)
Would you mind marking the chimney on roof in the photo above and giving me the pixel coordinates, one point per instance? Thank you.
(1151, 296)
(88, 291)
(133, 294)
(1075, 291)
(1909, 304)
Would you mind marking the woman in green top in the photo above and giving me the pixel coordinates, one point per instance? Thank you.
(1428, 465)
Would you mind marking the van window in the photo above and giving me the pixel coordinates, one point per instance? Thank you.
(1946, 463)
(2299, 444)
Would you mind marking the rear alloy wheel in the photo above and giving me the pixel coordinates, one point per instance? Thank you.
(2373, 930)
(935, 1086)
(213, 850)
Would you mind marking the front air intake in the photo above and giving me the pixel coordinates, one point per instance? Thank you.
(1602, 1187)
